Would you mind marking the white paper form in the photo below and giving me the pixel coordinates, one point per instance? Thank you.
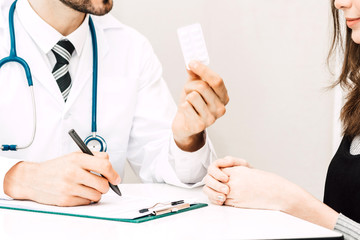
(110, 206)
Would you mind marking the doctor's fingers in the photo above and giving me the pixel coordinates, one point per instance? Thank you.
(201, 108)
(214, 80)
(101, 166)
(96, 182)
(216, 185)
(214, 197)
(87, 193)
(71, 201)
(193, 123)
(216, 107)
(70, 194)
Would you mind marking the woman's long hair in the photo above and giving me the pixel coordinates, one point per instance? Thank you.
(350, 75)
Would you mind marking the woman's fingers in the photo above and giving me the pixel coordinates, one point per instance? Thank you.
(216, 185)
(214, 197)
(215, 168)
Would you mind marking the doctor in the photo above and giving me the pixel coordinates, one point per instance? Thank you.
(131, 110)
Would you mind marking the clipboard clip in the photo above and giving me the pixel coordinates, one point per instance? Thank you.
(163, 208)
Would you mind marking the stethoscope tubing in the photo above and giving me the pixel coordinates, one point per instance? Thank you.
(95, 77)
(14, 58)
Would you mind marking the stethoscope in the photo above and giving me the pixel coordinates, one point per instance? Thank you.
(94, 141)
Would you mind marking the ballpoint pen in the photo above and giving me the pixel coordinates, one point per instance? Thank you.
(86, 150)
(169, 205)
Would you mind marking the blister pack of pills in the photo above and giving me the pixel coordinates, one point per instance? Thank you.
(193, 44)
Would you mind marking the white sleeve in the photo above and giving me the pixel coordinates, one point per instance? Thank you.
(152, 152)
(185, 163)
(5, 165)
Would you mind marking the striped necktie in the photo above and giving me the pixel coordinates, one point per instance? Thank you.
(63, 51)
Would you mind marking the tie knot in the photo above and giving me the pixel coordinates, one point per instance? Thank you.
(63, 51)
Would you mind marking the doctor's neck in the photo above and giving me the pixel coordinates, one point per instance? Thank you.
(58, 15)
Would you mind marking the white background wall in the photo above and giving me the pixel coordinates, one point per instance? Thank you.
(272, 56)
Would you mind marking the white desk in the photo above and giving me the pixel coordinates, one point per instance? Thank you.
(212, 222)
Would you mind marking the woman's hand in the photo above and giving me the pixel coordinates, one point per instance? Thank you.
(253, 188)
(215, 181)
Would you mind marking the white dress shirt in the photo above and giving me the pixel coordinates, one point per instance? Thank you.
(135, 108)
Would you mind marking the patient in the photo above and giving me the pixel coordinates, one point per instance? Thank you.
(233, 182)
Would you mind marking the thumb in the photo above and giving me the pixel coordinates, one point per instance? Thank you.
(192, 76)
(192, 66)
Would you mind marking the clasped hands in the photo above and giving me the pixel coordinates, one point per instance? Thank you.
(233, 182)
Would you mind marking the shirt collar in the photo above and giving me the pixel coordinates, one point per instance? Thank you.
(44, 35)
(78, 37)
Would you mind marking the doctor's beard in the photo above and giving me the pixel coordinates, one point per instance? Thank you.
(96, 7)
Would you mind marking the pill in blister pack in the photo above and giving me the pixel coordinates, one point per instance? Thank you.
(193, 44)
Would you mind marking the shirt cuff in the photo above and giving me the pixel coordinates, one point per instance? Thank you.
(191, 167)
(5, 165)
(178, 152)
(349, 228)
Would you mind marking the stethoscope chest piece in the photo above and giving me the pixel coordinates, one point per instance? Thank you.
(96, 144)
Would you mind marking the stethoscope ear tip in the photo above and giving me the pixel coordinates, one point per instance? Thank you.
(9, 148)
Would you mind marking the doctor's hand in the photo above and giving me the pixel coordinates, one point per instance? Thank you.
(64, 181)
(216, 180)
(203, 101)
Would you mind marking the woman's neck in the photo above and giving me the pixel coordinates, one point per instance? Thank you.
(61, 17)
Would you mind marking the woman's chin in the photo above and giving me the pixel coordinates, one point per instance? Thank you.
(356, 36)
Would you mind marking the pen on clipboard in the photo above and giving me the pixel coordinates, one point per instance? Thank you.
(86, 150)
(144, 210)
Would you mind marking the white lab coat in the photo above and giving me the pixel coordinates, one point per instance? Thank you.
(135, 108)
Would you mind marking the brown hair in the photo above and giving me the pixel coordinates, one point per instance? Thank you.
(350, 75)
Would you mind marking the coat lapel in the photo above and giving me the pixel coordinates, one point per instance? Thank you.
(28, 50)
(39, 65)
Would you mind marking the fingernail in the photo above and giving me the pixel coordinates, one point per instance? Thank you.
(224, 190)
(193, 64)
(221, 198)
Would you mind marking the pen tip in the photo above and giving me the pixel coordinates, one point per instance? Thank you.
(116, 189)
